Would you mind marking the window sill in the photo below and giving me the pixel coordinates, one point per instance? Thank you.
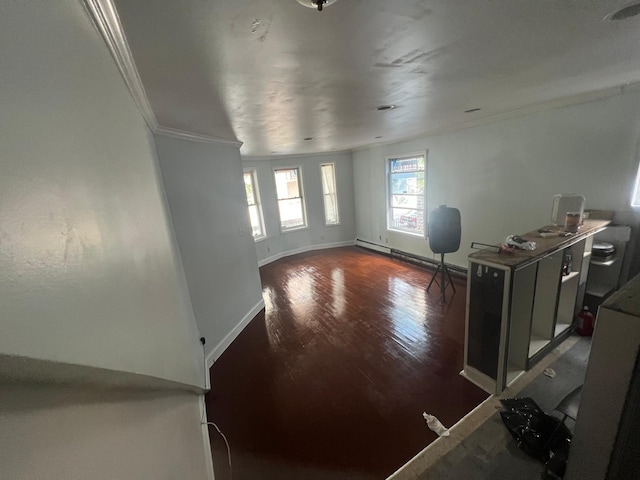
(332, 224)
(296, 229)
(415, 235)
(259, 239)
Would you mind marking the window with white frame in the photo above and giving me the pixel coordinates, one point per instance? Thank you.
(635, 199)
(331, 214)
(253, 201)
(406, 180)
(290, 198)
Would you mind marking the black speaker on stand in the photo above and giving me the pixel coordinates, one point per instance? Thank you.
(444, 237)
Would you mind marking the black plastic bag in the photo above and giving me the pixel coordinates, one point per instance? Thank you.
(533, 429)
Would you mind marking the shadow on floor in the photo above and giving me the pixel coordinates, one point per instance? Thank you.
(490, 452)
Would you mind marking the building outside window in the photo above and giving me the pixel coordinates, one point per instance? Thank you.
(290, 198)
(331, 214)
(255, 207)
(406, 177)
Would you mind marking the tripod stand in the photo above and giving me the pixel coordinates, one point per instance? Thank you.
(445, 279)
(444, 237)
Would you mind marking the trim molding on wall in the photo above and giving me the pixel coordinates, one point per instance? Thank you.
(231, 336)
(195, 137)
(258, 158)
(552, 104)
(309, 248)
(105, 18)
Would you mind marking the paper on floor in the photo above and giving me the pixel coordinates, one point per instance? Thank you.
(435, 425)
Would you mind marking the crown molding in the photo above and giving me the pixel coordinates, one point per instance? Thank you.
(556, 103)
(275, 156)
(195, 137)
(106, 19)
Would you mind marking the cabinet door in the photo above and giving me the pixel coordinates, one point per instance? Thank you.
(522, 293)
(486, 297)
(546, 301)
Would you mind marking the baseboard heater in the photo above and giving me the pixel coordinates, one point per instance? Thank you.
(373, 246)
(410, 257)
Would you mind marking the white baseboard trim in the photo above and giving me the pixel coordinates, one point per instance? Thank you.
(372, 246)
(231, 336)
(308, 248)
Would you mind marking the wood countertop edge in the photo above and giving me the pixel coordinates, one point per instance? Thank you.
(545, 246)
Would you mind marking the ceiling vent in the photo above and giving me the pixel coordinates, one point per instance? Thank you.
(625, 12)
(319, 4)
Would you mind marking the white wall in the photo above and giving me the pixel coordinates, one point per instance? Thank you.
(206, 194)
(89, 270)
(90, 274)
(502, 176)
(63, 433)
(317, 234)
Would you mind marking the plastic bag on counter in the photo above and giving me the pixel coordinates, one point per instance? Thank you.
(520, 243)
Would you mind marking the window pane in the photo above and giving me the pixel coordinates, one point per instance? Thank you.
(407, 220)
(287, 183)
(254, 216)
(330, 210)
(253, 201)
(407, 180)
(328, 178)
(406, 164)
(635, 199)
(248, 186)
(331, 216)
(291, 213)
(407, 183)
(404, 201)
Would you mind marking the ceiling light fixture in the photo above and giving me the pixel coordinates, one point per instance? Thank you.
(382, 108)
(319, 4)
(631, 10)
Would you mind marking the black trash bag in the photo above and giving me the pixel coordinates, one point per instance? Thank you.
(558, 462)
(533, 429)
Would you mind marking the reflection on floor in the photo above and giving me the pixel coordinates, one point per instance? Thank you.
(331, 380)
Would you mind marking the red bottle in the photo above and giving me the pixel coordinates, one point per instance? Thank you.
(585, 322)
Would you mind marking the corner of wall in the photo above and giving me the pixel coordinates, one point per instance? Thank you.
(228, 339)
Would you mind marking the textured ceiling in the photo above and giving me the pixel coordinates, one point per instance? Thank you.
(272, 72)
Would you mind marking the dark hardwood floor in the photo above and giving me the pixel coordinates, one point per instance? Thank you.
(331, 379)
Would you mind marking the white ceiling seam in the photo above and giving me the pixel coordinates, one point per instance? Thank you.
(105, 17)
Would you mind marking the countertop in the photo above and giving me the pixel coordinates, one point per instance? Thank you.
(544, 246)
